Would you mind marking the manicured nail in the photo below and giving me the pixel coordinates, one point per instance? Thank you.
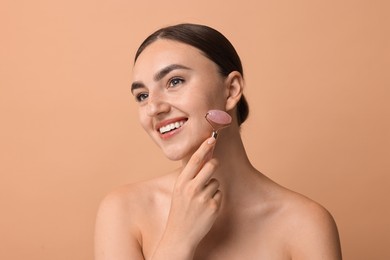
(211, 140)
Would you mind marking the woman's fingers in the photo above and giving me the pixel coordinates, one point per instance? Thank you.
(206, 172)
(212, 195)
(198, 159)
(211, 188)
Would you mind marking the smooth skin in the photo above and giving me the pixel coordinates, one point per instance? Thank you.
(216, 205)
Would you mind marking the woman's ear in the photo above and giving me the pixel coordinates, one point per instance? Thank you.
(235, 86)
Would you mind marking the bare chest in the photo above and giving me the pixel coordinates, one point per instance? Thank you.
(227, 241)
(242, 242)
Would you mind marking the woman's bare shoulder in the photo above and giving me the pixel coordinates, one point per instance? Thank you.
(313, 231)
(122, 215)
(140, 194)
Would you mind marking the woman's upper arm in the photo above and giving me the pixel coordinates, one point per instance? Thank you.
(117, 236)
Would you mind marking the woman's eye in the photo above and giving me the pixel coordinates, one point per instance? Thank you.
(175, 81)
(141, 97)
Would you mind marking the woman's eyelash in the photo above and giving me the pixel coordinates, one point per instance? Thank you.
(175, 81)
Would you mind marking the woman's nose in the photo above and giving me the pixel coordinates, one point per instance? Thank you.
(157, 105)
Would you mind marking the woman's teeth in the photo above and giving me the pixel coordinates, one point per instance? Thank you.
(170, 127)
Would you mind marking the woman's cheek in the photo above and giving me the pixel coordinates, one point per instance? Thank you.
(144, 120)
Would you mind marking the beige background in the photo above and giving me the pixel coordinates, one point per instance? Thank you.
(317, 81)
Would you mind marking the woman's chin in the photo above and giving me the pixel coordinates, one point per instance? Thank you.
(177, 154)
(181, 150)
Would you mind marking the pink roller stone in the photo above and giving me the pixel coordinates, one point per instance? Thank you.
(218, 119)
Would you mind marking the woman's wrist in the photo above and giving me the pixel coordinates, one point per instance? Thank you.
(170, 248)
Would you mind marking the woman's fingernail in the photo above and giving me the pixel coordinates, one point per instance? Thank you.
(211, 140)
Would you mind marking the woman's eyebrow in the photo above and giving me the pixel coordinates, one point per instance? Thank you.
(136, 85)
(164, 71)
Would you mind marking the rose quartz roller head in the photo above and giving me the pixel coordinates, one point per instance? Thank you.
(218, 119)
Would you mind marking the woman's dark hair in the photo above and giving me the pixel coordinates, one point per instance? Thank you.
(213, 45)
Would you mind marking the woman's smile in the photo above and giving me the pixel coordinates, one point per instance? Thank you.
(169, 128)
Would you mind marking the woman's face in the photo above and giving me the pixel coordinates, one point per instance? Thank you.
(175, 85)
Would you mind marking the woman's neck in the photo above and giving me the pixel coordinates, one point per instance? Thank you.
(235, 172)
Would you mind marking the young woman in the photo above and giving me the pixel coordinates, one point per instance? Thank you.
(217, 205)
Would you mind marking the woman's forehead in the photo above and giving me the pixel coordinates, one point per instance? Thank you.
(167, 49)
(162, 53)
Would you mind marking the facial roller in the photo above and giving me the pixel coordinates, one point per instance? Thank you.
(218, 119)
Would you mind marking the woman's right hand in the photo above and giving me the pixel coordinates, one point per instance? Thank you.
(194, 206)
